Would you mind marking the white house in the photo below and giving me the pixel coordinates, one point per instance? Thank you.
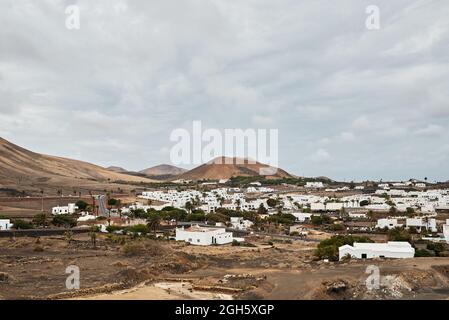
(240, 224)
(357, 215)
(302, 216)
(314, 185)
(69, 209)
(202, 236)
(5, 224)
(388, 223)
(420, 185)
(334, 206)
(391, 249)
(419, 223)
(317, 206)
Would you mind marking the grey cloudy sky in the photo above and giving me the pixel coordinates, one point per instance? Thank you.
(349, 103)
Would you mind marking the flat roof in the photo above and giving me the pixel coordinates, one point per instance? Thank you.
(201, 229)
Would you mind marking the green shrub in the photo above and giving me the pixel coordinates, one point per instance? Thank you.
(64, 220)
(321, 219)
(139, 228)
(112, 229)
(424, 253)
(20, 224)
(399, 234)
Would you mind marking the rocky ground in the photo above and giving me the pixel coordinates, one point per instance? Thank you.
(148, 269)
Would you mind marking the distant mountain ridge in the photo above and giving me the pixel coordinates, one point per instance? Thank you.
(163, 170)
(226, 168)
(117, 169)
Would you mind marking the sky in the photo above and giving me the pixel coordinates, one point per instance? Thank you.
(349, 103)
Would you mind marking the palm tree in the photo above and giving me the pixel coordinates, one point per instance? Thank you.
(238, 202)
(154, 221)
(189, 206)
(93, 236)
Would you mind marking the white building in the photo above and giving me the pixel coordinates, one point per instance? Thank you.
(388, 223)
(357, 215)
(334, 206)
(239, 223)
(201, 236)
(69, 209)
(420, 185)
(317, 206)
(302, 216)
(419, 223)
(392, 249)
(314, 185)
(5, 224)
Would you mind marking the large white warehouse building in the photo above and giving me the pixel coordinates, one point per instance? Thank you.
(391, 249)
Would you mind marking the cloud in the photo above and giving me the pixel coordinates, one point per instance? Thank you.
(113, 91)
(321, 156)
(430, 130)
(347, 136)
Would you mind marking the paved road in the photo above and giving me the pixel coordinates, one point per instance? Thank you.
(102, 206)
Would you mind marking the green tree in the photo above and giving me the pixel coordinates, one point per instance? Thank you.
(154, 221)
(64, 220)
(41, 220)
(262, 209)
(272, 203)
(82, 205)
(364, 203)
(189, 206)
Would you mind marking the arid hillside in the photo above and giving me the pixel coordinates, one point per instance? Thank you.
(163, 169)
(21, 168)
(225, 168)
(117, 169)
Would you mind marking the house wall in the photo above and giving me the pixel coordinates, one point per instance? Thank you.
(5, 224)
(204, 238)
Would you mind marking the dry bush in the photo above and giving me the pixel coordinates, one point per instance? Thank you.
(5, 277)
(133, 249)
(155, 249)
(38, 248)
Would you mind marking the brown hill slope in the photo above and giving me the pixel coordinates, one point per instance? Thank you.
(117, 169)
(225, 168)
(163, 169)
(20, 167)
